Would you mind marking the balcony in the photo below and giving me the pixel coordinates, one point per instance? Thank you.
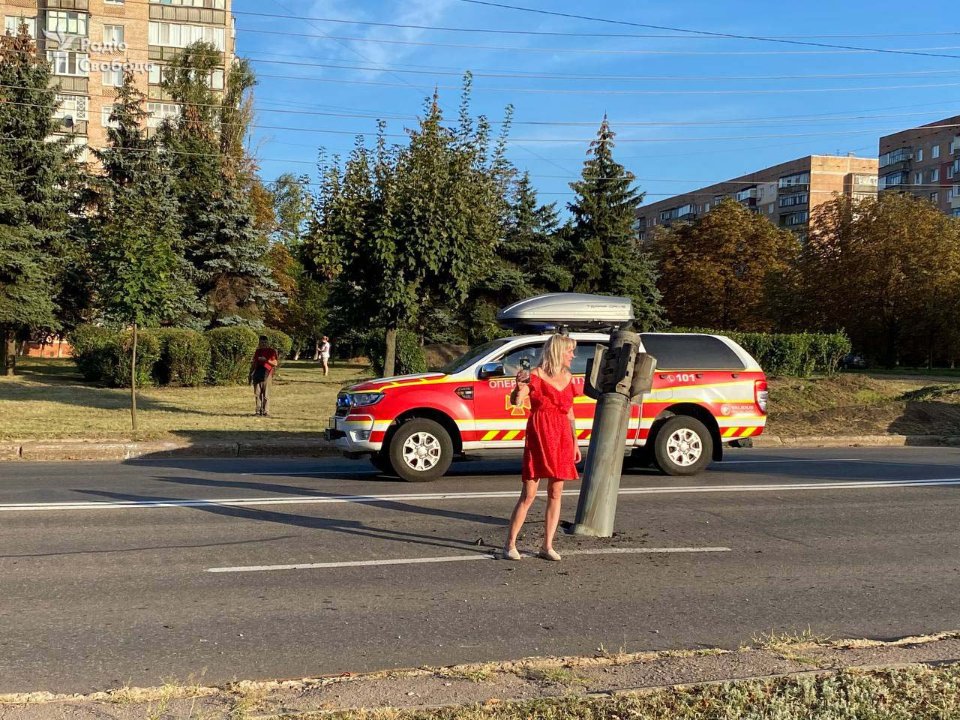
(795, 188)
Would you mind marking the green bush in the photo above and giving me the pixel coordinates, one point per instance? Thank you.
(409, 359)
(90, 345)
(795, 355)
(119, 356)
(279, 341)
(231, 349)
(184, 357)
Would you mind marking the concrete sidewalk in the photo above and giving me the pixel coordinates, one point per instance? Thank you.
(65, 450)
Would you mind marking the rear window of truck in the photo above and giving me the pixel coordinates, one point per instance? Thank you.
(690, 352)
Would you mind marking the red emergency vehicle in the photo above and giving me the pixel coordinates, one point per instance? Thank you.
(707, 392)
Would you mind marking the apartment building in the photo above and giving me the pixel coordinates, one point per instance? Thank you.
(924, 161)
(90, 43)
(786, 194)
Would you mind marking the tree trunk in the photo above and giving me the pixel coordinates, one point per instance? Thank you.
(389, 358)
(133, 381)
(8, 352)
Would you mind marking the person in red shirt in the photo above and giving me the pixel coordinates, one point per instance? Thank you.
(265, 361)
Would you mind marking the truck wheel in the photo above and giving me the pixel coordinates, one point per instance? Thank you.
(381, 461)
(420, 450)
(683, 446)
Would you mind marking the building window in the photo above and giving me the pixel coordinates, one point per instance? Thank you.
(105, 112)
(12, 23)
(935, 175)
(113, 35)
(935, 151)
(113, 2)
(798, 199)
(935, 198)
(893, 179)
(68, 63)
(113, 78)
(793, 219)
(214, 4)
(918, 178)
(898, 155)
(69, 23)
(160, 112)
(794, 180)
(919, 154)
(178, 35)
(71, 109)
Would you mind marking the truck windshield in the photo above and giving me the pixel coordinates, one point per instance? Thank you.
(472, 355)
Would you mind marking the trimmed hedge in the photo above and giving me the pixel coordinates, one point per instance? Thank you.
(409, 358)
(184, 357)
(279, 341)
(118, 358)
(794, 354)
(91, 352)
(231, 349)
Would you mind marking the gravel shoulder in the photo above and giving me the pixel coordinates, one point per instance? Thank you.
(605, 673)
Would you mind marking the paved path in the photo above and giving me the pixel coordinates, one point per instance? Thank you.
(150, 571)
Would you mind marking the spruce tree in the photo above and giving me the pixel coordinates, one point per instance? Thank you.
(606, 257)
(136, 229)
(37, 192)
(223, 239)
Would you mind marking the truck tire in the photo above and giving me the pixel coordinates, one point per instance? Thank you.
(420, 450)
(683, 446)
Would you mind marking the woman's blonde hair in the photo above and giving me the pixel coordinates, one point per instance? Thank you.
(551, 362)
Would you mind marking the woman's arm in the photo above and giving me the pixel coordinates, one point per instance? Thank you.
(521, 390)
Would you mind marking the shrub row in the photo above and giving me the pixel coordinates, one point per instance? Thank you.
(793, 354)
(170, 356)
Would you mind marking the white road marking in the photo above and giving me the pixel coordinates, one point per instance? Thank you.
(360, 499)
(720, 465)
(454, 558)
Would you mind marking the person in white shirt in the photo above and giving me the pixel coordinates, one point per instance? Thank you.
(325, 354)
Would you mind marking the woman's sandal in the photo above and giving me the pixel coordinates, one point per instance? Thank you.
(511, 553)
(549, 554)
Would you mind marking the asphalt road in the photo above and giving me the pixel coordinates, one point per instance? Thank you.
(141, 573)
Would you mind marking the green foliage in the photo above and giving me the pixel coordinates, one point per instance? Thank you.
(231, 349)
(279, 341)
(91, 350)
(119, 353)
(184, 357)
(724, 269)
(606, 256)
(790, 354)
(410, 358)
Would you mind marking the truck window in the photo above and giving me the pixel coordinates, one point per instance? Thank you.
(513, 360)
(690, 352)
(584, 352)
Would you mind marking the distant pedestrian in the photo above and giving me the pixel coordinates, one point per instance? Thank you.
(265, 361)
(325, 354)
(550, 447)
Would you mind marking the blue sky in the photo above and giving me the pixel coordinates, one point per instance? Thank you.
(688, 109)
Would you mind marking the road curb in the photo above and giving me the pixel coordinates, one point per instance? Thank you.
(814, 441)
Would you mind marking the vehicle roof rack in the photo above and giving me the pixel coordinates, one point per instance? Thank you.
(561, 312)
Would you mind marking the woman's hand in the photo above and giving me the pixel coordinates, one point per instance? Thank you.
(577, 456)
(523, 376)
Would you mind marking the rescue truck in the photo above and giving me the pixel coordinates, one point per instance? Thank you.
(707, 392)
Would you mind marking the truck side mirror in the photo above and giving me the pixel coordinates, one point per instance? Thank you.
(490, 369)
(643, 370)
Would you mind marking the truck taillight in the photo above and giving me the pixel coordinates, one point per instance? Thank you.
(760, 395)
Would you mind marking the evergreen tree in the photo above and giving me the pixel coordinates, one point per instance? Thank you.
(606, 256)
(136, 227)
(225, 241)
(38, 182)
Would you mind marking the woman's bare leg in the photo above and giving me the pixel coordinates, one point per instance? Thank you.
(528, 494)
(552, 518)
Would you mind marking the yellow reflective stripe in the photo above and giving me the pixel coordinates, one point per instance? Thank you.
(511, 435)
(748, 432)
(729, 432)
(490, 435)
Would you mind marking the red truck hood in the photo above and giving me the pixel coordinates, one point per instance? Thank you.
(395, 382)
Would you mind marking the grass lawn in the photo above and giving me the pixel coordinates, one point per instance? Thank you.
(49, 399)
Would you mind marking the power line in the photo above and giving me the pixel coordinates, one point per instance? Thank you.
(705, 33)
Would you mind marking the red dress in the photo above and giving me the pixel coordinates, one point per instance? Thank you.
(548, 451)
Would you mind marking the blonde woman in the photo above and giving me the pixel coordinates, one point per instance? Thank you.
(550, 449)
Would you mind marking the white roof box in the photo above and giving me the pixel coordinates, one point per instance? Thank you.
(574, 311)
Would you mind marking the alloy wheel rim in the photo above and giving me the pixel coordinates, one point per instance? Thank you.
(421, 451)
(684, 447)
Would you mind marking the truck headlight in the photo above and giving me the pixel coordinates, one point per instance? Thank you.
(364, 399)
